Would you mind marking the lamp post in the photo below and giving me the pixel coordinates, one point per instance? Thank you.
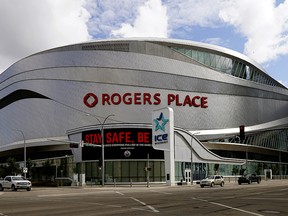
(102, 144)
(24, 169)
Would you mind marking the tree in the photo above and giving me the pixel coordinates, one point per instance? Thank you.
(235, 170)
(12, 167)
(2, 171)
(216, 168)
(31, 167)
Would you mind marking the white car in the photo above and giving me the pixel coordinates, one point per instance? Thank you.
(211, 181)
(14, 183)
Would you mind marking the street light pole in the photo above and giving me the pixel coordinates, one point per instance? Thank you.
(24, 169)
(102, 145)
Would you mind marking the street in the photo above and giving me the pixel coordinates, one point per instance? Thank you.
(266, 198)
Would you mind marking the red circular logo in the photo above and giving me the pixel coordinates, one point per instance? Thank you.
(90, 100)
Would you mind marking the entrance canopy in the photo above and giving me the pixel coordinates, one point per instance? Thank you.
(186, 143)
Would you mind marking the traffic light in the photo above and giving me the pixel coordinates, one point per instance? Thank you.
(74, 145)
(242, 133)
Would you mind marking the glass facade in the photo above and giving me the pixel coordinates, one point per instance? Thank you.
(273, 139)
(125, 171)
(229, 65)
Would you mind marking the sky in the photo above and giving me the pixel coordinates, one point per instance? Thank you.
(257, 29)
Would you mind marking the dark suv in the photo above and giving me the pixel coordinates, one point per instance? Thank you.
(249, 178)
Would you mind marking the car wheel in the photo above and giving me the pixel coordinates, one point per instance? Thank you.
(239, 182)
(29, 189)
(202, 186)
(222, 184)
(258, 181)
(1, 188)
(212, 184)
(249, 182)
(13, 188)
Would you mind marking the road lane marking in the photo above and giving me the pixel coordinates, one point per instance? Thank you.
(119, 193)
(74, 194)
(229, 207)
(144, 204)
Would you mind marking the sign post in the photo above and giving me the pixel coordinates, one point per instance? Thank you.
(163, 139)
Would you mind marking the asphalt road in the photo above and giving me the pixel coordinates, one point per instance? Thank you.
(267, 198)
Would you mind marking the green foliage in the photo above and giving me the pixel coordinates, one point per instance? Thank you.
(31, 168)
(2, 171)
(10, 168)
(235, 170)
(13, 167)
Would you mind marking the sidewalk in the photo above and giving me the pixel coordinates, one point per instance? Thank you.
(263, 183)
(151, 185)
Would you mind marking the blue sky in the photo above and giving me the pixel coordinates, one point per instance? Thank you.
(258, 28)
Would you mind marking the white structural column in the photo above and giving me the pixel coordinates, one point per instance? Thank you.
(163, 139)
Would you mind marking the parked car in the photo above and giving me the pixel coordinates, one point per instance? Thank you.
(211, 181)
(249, 178)
(14, 183)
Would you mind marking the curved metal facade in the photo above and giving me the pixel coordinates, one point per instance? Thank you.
(43, 95)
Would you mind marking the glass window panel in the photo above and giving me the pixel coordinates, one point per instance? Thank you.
(156, 171)
(88, 170)
(222, 64)
(213, 61)
(141, 171)
(125, 172)
(177, 171)
(117, 170)
(94, 170)
(109, 171)
(189, 53)
(134, 170)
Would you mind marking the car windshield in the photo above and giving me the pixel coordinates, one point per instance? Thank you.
(210, 177)
(18, 178)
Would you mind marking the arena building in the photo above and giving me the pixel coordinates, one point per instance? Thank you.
(53, 100)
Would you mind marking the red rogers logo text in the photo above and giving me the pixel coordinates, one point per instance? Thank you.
(91, 99)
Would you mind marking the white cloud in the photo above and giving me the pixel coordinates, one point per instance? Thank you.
(151, 21)
(108, 15)
(194, 13)
(31, 26)
(215, 41)
(263, 23)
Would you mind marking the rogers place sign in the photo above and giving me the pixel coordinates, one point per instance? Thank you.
(91, 99)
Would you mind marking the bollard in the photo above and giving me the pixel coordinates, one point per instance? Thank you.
(114, 182)
(130, 182)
